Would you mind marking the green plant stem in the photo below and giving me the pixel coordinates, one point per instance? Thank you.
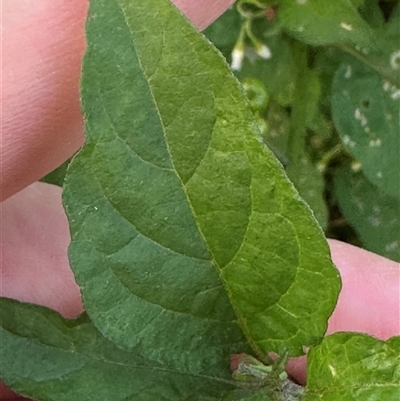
(328, 156)
(241, 7)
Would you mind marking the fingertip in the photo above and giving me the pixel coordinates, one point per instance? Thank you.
(296, 368)
(7, 395)
(43, 44)
(35, 266)
(369, 301)
(203, 13)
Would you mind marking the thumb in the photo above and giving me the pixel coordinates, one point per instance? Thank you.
(369, 300)
(43, 43)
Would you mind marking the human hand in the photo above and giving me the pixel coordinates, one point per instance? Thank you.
(43, 44)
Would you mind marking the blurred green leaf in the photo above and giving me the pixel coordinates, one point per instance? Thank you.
(373, 214)
(393, 25)
(353, 367)
(365, 110)
(385, 59)
(324, 22)
(305, 176)
(277, 137)
(372, 13)
(310, 184)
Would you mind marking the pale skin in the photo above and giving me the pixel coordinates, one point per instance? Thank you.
(43, 42)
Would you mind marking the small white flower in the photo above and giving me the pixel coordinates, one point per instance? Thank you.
(264, 52)
(356, 166)
(395, 60)
(237, 59)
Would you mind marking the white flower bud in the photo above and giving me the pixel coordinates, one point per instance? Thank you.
(264, 52)
(237, 59)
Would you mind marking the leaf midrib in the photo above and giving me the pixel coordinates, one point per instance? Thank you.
(213, 260)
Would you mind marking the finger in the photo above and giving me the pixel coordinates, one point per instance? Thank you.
(43, 43)
(203, 13)
(369, 301)
(35, 238)
(7, 395)
(370, 298)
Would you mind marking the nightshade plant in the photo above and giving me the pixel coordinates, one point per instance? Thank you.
(190, 244)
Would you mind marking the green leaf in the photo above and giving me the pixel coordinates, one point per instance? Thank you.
(393, 28)
(365, 110)
(57, 176)
(174, 203)
(373, 214)
(323, 22)
(48, 358)
(353, 367)
(385, 58)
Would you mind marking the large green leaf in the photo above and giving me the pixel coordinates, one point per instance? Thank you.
(48, 358)
(373, 214)
(174, 203)
(354, 367)
(365, 110)
(323, 22)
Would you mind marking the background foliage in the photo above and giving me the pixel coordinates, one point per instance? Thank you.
(332, 118)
